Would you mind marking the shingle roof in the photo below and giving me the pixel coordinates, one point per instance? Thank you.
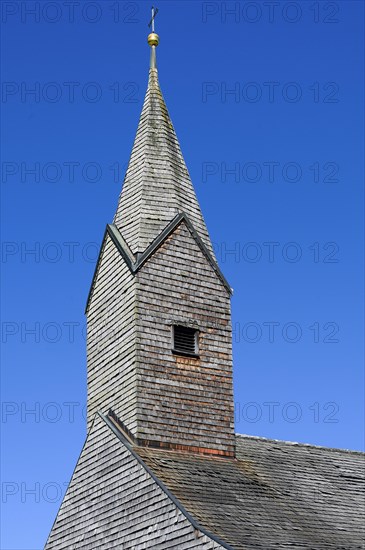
(157, 184)
(276, 495)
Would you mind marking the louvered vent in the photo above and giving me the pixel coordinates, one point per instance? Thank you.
(185, 340)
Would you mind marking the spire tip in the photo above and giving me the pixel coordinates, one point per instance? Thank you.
(153, 39)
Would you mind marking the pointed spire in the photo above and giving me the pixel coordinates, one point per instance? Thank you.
(157, 185)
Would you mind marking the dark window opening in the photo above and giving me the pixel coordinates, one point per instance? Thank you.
(185, 341)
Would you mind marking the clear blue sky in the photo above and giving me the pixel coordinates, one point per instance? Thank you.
(267, 104)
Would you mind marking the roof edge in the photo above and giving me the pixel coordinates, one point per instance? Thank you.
(162, 486)
(70, 480)
(96, 270)
(121, 245)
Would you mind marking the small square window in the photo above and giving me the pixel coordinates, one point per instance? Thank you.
(185, 341)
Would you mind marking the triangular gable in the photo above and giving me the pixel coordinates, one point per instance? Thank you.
(135, 263)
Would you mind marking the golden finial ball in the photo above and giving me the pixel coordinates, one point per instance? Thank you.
(153, 39)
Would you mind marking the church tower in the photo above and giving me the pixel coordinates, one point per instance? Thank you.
(158, 313)
(161, 467)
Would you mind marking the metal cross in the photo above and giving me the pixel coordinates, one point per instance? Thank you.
(152, 22)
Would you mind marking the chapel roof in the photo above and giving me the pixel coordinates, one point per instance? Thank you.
(274, 495)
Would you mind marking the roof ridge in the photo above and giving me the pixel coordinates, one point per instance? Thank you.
(300, 444)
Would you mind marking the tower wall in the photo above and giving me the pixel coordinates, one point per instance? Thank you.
(183, 400)
(111, 339)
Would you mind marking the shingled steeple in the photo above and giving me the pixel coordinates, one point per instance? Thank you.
(157, 184)
(159, 323)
